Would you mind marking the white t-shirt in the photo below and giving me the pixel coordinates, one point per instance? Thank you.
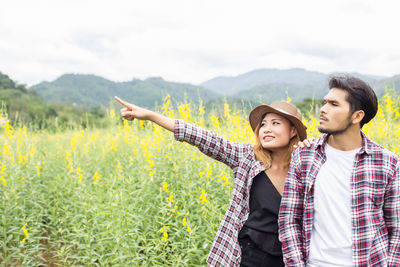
(331, 233)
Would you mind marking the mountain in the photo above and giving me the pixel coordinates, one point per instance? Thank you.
(368, 78)
(19, 103)
(258, 86)
(267, 93)
(91, 90)
(267, 85)
(388, 83)
(254, 79)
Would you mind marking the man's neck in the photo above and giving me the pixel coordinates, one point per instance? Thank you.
(348, 140)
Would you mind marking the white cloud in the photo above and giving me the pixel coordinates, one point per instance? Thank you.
(192, 41)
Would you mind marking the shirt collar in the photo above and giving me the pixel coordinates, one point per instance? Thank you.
(365, 148)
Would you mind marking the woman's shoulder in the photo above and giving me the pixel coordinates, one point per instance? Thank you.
(248, 156)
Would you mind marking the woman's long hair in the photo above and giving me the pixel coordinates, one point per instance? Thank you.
(264, 155)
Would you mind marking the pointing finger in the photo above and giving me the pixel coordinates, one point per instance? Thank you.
(122, 102)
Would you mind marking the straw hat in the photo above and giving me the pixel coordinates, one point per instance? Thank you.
(284, 109)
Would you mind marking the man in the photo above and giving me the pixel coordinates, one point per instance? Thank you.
(341, 201)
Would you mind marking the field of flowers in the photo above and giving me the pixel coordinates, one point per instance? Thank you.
(125, 196)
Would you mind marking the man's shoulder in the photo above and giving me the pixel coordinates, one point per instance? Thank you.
(378, 151)
(307, 154)
(313, 148)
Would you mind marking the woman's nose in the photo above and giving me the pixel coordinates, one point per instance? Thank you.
(266, 129)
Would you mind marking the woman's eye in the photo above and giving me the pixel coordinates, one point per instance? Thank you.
(262, 124)
(275, 123)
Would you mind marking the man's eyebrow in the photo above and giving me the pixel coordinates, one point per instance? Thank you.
(331, 100)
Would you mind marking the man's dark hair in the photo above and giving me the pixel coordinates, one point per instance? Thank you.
(360, 95)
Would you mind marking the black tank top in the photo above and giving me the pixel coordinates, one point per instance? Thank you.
(262, 224)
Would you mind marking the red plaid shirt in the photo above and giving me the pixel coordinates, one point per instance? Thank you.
(375, 205)
(225, 250)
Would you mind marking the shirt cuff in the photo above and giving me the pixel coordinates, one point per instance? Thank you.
(179, 130)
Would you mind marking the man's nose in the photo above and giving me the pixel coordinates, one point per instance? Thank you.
(323, 109)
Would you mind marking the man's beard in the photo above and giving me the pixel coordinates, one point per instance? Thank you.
(336, 131)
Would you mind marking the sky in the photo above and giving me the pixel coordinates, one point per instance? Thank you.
(194, 41)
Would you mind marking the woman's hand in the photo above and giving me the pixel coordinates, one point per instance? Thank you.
(306, 142)
(130, 111)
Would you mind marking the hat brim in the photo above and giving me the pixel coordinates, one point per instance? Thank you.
(257, 113)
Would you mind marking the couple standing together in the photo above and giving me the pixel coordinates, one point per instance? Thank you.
(335, 202)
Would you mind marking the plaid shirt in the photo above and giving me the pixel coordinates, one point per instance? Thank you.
(225, 250)
(375, 205)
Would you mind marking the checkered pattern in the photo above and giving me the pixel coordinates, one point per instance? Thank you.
(375, 205)
(225, 250)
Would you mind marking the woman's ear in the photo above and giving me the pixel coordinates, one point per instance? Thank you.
(293, 132)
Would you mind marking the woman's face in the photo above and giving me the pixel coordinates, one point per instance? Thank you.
(275, 132)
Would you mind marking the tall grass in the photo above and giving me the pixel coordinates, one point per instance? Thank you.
(127, 195)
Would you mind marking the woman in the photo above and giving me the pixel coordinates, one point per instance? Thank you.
(248, 234)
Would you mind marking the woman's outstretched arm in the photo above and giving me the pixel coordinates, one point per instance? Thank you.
(208, 142)
(130, 112)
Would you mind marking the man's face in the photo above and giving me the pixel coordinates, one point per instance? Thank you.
(335, 116)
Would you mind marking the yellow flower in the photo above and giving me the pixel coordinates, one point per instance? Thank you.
(201, 110)
(112, 114)
(2, 168)
(9, 129)
(3, 180)
(6, 149)
(96, 176)
(25, 233)
(79, 172)
(208, 171)
(184, 111)
(215, 121)
(167, 101)
(162, 229)
(203, 197)
(165, 187)
(227, 112)
(189, 229)
(175, 208)
(165, 237)
(171, 198)
(38, 169)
